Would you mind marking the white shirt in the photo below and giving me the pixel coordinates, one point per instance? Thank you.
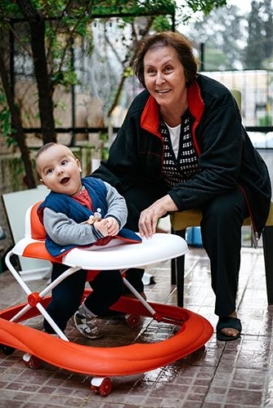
(175, 137)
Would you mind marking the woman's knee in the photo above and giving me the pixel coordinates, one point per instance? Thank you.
(225, 208)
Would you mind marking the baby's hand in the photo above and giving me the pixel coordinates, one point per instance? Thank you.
(107, 226)
(113, 226)
(102, 227)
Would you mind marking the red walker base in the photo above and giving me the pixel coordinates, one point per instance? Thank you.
(193, 333)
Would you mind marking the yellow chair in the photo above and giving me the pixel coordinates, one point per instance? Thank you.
(192, 218)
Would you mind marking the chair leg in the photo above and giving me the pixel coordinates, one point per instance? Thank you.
(268, 260)
(173, 271)
(173, 266)
(177, 272)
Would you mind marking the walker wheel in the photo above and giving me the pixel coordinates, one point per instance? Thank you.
(32, 362)
(104, 388)
(133, 321)
(8, 350)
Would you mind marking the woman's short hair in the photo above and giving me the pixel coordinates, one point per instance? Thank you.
(180, 43)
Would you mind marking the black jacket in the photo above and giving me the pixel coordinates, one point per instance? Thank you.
(226, 155)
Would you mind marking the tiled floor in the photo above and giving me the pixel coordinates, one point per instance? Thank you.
(232, 374)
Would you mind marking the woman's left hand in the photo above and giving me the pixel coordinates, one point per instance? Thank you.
(149, 217)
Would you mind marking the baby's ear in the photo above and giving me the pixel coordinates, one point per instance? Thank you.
(79, 164)
(42, 182)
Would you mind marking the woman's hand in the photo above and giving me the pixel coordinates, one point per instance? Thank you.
(149, 217)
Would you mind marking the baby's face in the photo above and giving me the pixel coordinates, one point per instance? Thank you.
(59, 170)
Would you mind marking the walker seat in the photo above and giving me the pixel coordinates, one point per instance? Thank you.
(100, 363)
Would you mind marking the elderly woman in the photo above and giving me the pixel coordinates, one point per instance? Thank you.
(182, 146)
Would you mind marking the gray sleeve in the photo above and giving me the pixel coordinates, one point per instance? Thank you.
(65, 231)
(117, 207)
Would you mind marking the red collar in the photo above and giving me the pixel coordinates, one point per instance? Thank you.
(150, 117)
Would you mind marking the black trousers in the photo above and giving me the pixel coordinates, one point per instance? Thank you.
(66, 297)
(221, 234)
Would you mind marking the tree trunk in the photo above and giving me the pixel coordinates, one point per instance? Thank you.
(44, 83)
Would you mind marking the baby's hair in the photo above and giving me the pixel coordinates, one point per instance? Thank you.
(44, 148)
(47, 146)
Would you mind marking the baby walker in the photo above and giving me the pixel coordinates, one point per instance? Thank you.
(99, 362)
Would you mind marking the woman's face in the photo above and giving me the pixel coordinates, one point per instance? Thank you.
(164, 76)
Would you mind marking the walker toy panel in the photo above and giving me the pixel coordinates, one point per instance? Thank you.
(160, 247)
(194, 332)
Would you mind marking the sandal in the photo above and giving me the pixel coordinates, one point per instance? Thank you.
(228, 323)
